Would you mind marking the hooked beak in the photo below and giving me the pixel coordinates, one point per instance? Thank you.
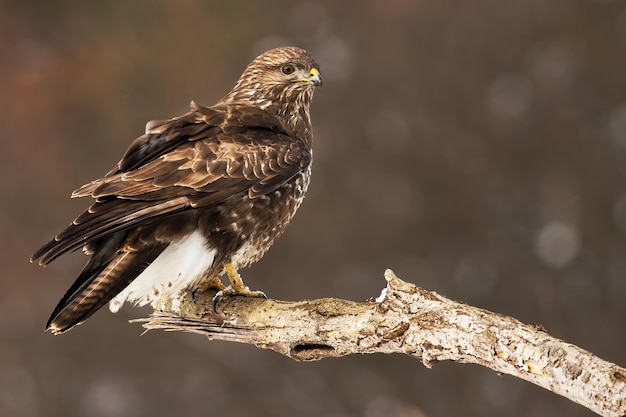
(313, 77)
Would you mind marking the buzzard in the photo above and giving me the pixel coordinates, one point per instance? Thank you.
(197, 195)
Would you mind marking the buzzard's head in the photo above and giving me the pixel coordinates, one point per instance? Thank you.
(280, 81)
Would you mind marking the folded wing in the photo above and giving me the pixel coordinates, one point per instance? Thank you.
(196, 160)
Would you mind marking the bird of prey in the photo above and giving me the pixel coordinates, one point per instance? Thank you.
(195, 196)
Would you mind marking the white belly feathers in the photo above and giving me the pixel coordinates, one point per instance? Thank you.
(181, 265)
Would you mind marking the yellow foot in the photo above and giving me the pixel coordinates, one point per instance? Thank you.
(236, 287)
(212, 284)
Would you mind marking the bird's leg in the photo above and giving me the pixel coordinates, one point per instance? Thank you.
(236, 287)
(236, 282)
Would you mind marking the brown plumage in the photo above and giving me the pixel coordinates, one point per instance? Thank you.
(195, 195)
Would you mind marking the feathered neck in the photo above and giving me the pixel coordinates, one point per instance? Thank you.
(289, 103)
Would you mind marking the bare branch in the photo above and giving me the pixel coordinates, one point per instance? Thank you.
(407, 319)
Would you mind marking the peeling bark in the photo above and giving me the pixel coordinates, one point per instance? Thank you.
(407, 319)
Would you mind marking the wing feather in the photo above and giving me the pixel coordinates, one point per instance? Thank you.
(164, 172)
(102, 220)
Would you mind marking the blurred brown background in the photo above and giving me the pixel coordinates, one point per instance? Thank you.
(478, 148)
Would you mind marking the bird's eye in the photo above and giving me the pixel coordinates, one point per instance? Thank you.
(288, 69)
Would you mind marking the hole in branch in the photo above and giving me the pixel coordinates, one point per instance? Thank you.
(311, 346)
(311, 351)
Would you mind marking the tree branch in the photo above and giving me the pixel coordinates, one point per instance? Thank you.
(406, 319)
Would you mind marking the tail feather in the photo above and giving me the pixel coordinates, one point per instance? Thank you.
(98, 284)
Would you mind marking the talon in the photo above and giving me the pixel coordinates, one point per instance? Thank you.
(212, 284)
(230, 291)
(216, 299)
(236, 287)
